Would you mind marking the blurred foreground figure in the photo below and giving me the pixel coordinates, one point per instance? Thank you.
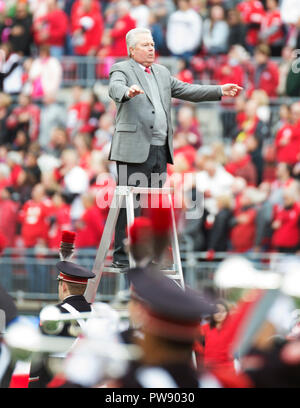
(72, 281)
(7, 306)
(169, 318)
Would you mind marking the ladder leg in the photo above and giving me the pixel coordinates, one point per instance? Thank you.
(130, 219)
(175, 245)
(103, 248)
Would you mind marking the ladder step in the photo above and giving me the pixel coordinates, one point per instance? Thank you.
(111, 269)
(174, 277)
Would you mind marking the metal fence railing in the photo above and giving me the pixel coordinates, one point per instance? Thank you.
(29, 274)
(86, 71)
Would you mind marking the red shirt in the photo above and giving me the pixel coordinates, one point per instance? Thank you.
(288, 234)
(34, 122)
(268, 81)
(91, 233)
(14, 175)
(243, 234)
(252, 12)
(243, 168)
(78, 113)
(62, 222)
(90, 37)
(270, 19)
(227, 73)
(33, 218)
(8, 220)
(118, 48)
(55, 24)
(219, 342)
(289, 151)
(186, 76)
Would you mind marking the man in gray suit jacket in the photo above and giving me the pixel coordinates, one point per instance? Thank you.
(143, 138)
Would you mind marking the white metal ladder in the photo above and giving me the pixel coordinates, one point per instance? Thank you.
(116, 204)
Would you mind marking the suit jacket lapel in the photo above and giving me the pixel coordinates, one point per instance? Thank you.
(142, 80)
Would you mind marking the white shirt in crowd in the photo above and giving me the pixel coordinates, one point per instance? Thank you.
(217, 185)
(290, 11)
(184, 31)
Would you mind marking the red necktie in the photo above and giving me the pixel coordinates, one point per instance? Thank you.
(147, 69)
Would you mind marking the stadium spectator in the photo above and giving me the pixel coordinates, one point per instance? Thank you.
(8, 216)
(215, 32)
(188, 123)
(286, 223)
(266, 74)
(96, 109)
(11, 69)
(73, 179)
(272, 29)
(4, 176)
(33, 218)
(184, 73)
(26, 117)
(243, 224)
(237, 30)
(217, 337)
(231, 70)
(240, 164)
(290, 11)
(90, 226)
(140, 13)
(14, 161)
(42, 68)
(51, 29)
(253, 133)
(113, 41)
(158, 35)
(59, 141)
(83, 143)
(5, 109)
(60, 219)
(213, 180)
(77, 112)
(252, 12)
(284, 179)
(86, 27)
(184, 31)
(20, 35)
(34, 232)
(218, 240)
(287, 139)
(162, 10)
(38, 8)
(103, 135)
(52, 116)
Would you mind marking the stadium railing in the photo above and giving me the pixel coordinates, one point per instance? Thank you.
(20, 267)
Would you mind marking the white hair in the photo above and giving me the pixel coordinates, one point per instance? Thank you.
(131, 37)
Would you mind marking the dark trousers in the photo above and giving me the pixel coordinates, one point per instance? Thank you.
(153, 172)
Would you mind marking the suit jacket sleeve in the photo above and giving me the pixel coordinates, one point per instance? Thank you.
(118, 86)
(195, 93)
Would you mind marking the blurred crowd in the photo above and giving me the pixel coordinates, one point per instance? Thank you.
(215, 40)
(53, 155)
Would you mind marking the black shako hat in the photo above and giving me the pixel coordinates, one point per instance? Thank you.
(73, 273)
(168, 310)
